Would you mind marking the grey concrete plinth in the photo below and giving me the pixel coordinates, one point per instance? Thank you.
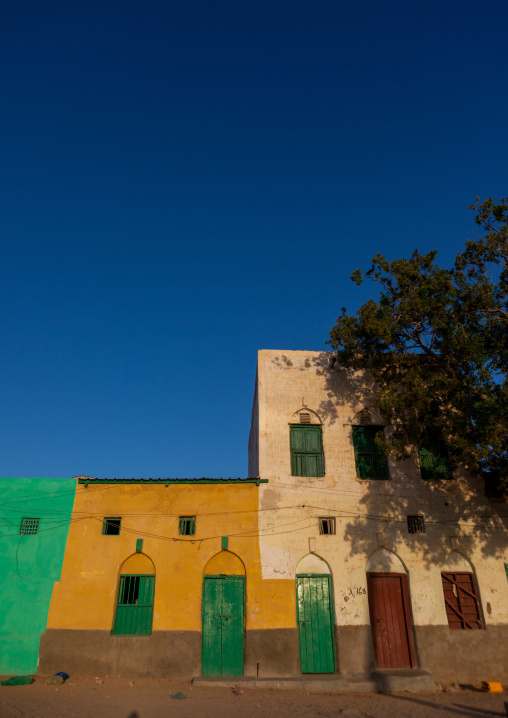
(390, 681)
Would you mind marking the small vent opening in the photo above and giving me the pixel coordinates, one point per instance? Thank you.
(29, 527)
(304, 417)
(364, 416)
(327, 526)
(416, 524)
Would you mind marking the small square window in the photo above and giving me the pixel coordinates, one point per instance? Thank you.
(111, 526)
(187, 525)
(416, 524)
(326, 526)
(29, 527)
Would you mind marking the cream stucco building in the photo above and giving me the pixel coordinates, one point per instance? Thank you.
(401, 569)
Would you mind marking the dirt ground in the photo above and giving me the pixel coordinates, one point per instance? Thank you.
(83, 697)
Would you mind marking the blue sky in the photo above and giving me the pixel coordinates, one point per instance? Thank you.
(186, 182)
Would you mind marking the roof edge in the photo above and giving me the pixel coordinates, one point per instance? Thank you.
(86, 480)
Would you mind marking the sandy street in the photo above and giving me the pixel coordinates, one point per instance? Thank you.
(120, 698)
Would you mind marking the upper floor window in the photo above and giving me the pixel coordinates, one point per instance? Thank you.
(370, 461)
(306, 443)
(433, 467)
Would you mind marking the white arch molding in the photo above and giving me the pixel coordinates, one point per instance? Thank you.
(312, 563)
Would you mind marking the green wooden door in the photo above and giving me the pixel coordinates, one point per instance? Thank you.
(315, 624)
(223, 617)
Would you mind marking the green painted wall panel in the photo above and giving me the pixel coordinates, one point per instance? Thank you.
(29, 565)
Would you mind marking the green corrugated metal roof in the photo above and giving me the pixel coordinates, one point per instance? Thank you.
(91, 480)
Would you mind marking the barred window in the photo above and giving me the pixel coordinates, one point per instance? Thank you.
(416, 524)
(187, 525)
(134, 606)
(326, 526)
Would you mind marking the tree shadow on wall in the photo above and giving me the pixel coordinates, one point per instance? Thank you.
(448, 519)
(456, 514)
(346, 391)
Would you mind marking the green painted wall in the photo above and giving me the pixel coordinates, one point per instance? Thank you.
(29, 565)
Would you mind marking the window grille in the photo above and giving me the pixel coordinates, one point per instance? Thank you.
(370, 461)
(306, 445)
(461, 601)
(326, 526)
(416, 524)
(433, 467)
(134, 607)
(29, 526)
(187, 525)
(111, 526)
(304, 417)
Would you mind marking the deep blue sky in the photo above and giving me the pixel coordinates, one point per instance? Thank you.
(186, 182)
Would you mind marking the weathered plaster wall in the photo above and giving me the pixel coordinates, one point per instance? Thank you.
(369, 514)
(29, 565)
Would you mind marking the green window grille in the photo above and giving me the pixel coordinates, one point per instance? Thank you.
(506, 569)
(433, 467)
(134, 606)
(306, 451)
(187, 525)
(111, 526)
(370, 461)
(29, 526)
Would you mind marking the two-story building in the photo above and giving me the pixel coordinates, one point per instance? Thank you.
(391, 565)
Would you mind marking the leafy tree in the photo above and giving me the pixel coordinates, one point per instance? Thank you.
(436, 343)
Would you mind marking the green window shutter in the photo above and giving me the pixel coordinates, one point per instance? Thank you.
(370, 461)
(297, 438)
(134, 608)
(312, 438)
(433, 467)
(306, 444)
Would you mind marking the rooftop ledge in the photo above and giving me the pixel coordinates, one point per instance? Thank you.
(91, 480)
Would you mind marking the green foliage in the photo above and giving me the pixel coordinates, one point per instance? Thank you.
(436, 342)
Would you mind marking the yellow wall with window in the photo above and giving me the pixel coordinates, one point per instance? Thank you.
(85, 597)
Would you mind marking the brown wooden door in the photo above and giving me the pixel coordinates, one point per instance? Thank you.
(390, 619)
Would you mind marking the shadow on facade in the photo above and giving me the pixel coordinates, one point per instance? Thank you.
(456, 513)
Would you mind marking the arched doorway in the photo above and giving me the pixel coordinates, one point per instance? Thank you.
(223, 616)
(390, 614)
(314, 615)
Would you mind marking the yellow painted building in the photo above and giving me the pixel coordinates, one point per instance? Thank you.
(130, 599)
